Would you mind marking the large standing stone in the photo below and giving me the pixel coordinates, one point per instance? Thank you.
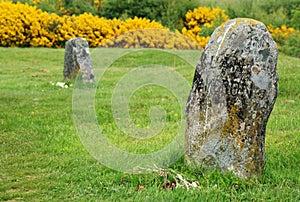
(77, 56)
(233, 94)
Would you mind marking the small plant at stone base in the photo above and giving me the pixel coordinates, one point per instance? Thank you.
(171, 179)
(68, 83)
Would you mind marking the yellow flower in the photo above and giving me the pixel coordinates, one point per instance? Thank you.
(200, 19)
(24, 25)
(280, 33)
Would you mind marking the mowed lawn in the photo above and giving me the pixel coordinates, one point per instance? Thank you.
(43, 159)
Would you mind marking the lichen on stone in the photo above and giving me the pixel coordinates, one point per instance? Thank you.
(77, 57)
(233, 93)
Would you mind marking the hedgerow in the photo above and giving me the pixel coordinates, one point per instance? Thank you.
(152, 38)
(24, 26)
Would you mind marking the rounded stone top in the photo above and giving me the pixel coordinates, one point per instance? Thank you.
(246, 39)
(242, 34)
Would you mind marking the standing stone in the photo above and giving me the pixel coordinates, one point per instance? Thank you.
(77, 56)
(233, 93)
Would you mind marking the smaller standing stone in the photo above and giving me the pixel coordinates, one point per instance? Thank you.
(77, 56)
(233, 93)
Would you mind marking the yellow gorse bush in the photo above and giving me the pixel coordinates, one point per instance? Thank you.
(151, 38)
(280, 33)
(200, 19)
(24, 25)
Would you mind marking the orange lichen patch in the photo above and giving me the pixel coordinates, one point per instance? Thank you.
(232, 130)
(232, 125)
(255, 70)
(254, 152)
(244, 141)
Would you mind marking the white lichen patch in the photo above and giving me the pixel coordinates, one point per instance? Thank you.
(234, 91)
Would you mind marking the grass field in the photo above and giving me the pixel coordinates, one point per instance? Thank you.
(43, 159)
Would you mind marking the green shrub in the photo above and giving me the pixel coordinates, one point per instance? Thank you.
(167, 12)
(295, 20)
(275, 12)
(121, 8)
(272, 6)
(50, 6)
(68, 7)
(29, 2)
(291, 45)
(77, 7)
(240, 9)
(175, 11)
(276, 18)
(28, 26)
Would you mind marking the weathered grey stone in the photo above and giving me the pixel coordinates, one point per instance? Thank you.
(233, 94)
(77, 56)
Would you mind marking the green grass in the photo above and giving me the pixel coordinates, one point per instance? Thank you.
(42, 158)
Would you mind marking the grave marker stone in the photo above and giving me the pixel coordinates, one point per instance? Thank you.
(77, 57)
(233, 93)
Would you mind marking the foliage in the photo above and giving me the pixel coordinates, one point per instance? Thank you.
(287, 39)
(65, 7)
(291, 45)
(201, 22)
(50, 6)
(280, 33)
(240, 9)
(168, 12)
(295, 22)
(27, 26)
(152, 38)
(77, 7)
(273, 6)
(23, 25)
(273, 12)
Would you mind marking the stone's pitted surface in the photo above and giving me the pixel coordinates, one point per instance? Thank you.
(233, 94)
(77, 56)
